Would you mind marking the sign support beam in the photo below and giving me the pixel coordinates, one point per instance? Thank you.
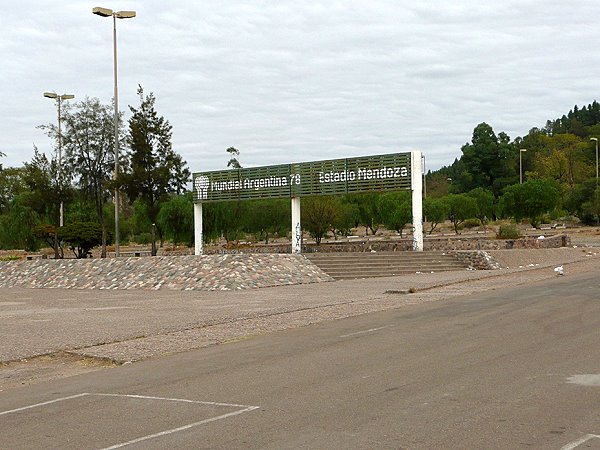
(296, 227)
(198, 245)
(417, 199)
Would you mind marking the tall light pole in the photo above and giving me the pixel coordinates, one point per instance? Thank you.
(59, 99)
(521, 164)
(596, 139)
(424, 184)
(105, 12)
(424, 178)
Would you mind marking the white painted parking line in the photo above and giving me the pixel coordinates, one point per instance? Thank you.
(2, 413)
(586, 379)
(363, 332)
(183, 428)
(240, 410)
(182, 400)
(578, 442)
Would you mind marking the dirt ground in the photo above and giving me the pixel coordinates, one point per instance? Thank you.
(45, 368)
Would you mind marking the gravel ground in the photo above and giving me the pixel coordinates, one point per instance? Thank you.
(282, 308)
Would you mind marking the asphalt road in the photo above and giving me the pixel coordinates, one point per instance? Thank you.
(511, 368)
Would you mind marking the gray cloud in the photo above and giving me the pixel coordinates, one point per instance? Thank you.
(297, 81)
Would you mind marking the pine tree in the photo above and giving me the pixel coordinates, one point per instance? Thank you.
(155, 170)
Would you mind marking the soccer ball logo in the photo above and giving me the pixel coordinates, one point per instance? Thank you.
(201, 185)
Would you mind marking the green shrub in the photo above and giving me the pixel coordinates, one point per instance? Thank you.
(143, 238)
(471, 223)
(509, 231)
(81, 237)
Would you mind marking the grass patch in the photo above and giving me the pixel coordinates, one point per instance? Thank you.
(10, 258)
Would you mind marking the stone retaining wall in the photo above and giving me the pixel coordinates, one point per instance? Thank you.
(208, 272)
(432, 244)
(478, 259)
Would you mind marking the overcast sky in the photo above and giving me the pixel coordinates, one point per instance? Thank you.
(291, 81)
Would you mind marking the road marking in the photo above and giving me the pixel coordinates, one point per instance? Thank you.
(364, 332)
(185, 427)
(182, 400)
(578, 442)
(43, 403)
(589, 379)
(243, 409)
(108, 308)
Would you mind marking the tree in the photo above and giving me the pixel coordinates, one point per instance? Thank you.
(370, 214)
(396, 208)
(212, 222)
(268, 217)
(582, 201)
(346, 219)
(485, 159)
(89, 152)
(81, 237)
(47, 189)
(17, 224)
(485, 204)
(176, 219)
(318, 215)
(530, 200)
(563, 159)
(233, 158)
(47, 233)
(436, 211)
(438, 184)
(2, 155)
(40, 177)
(11, 185)
(591, 208)
(154, 170)
(231, 219)
(460, 208)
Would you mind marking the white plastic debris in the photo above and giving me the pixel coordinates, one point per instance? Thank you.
(559, 270)
(542, 237)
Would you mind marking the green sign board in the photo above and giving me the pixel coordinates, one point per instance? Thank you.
(331, 177)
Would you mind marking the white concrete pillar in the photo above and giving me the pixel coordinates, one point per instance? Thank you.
(296, 226)
(417, 199)
(198, 248)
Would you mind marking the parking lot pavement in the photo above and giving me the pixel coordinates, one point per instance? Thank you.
(131, 325)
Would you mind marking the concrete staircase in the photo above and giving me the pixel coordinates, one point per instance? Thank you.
(383, 264)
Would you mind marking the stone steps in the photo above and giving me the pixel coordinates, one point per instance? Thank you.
(383, 264)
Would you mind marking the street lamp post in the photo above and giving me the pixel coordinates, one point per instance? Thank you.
(424, 184)
(521, 164)
(105, 12)
(424, 178)
(596, 139)
(59, 99)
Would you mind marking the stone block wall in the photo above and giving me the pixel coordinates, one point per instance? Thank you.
(208, 272)
(477, 260)
(396, 245)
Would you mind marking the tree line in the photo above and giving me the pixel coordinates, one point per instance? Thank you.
(547, 174)
(79, 173)
(562, 156)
